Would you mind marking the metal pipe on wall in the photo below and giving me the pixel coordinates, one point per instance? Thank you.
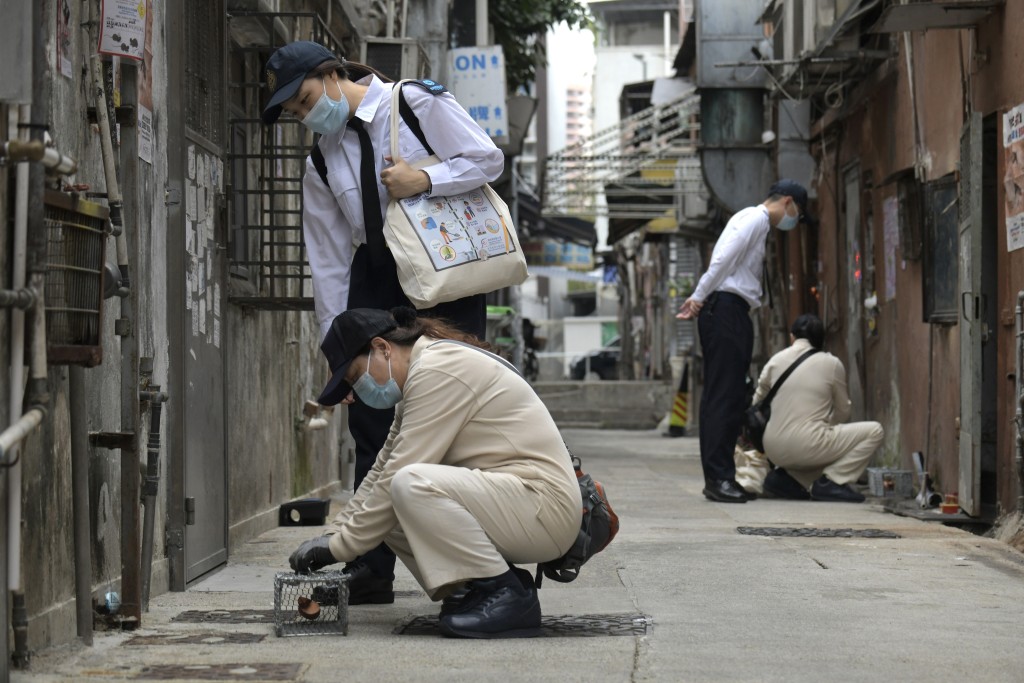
(130, 563)
(151, 486)
(80, 500)
(38, 387)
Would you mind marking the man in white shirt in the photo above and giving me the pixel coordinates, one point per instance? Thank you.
(721, 303)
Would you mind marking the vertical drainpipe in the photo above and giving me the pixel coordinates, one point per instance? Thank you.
(79, 426)
(38, 386)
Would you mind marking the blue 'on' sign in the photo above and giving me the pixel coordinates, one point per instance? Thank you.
(465, 63)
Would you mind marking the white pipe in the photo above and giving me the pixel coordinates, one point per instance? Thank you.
(481, 23)
(667, 16)
(17, 372)
(389, 31)
(16, 433)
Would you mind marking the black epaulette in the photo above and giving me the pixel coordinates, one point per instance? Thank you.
(432, 87)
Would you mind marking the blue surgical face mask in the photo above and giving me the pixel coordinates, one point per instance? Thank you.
(380, 396)
(788, 222)
(328, 115)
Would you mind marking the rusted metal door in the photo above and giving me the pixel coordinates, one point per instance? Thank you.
(971, 322)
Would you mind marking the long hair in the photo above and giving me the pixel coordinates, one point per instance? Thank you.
(411, 326)
(353, 71)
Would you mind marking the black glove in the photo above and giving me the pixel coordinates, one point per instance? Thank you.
(312, 555)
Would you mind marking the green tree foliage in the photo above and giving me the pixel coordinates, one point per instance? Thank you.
(519, 26)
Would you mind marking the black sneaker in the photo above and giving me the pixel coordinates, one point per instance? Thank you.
(780, 484)
(825, 489)
(464, 597)
(503, 608)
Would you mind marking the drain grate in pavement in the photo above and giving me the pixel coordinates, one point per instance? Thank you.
(205, 638)
(559, 626)
(220, 672)
(226, 616)
(816, 532)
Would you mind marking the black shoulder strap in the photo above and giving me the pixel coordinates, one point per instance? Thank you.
(409, 116)
(778, 383)
(319, 163)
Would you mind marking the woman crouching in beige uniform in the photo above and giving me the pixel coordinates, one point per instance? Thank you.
(473, 478)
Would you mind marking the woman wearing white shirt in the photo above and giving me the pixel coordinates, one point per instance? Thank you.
(349, 105)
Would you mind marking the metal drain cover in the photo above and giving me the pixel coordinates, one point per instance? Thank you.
(204, 638)
(226, 616)
(815, 532)
(558, 626)
(220, 672)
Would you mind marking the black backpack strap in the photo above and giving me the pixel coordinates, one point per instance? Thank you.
(409, 116)
(778, 383)
(319, 163)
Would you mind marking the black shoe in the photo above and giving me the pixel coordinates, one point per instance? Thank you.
(826, 489)
(725, 491)
(502, 608)
(465, 597)
(781, 484)
(456, 601)
(364, 588)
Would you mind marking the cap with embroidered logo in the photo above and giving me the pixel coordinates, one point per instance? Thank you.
(287, 68)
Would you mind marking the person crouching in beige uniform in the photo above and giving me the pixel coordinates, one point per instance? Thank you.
(473, 478)
(805, 437)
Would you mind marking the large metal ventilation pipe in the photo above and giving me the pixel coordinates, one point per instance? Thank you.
(737, 165)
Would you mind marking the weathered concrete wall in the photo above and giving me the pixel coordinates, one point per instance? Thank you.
(912, 368)
(273, 365)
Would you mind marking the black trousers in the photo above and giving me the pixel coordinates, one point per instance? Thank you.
(727, 339)
(375, 285)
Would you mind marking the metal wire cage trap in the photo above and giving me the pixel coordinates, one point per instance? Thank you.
(76, 234)
(328, 613)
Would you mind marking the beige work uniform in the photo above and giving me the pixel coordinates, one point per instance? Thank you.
(473, 475)
(805, 434)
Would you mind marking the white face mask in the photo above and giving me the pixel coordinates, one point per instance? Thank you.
(328, 115)
(788, 222)
(380, 396)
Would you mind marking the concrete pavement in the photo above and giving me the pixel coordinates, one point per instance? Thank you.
(687, 597)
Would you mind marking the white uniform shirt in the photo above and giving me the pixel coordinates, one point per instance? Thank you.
(738, 258)
(332, 217)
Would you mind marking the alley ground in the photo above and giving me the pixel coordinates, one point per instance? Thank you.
(681, 594)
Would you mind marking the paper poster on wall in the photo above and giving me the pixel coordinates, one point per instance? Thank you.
(63, 38)
(123, 28)
(144, 84)
(891, 215)
(1013, 178)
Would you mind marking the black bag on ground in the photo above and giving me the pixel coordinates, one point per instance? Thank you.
(755, 418)
(598, 528)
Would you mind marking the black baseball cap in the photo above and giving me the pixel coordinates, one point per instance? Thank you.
(349, 333)
(791, 188)
(287, 68)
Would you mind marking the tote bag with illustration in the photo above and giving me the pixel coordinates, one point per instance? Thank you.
(449, 247)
